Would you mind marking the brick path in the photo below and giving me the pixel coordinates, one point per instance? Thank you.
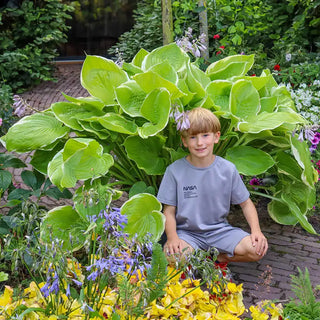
(290, 247)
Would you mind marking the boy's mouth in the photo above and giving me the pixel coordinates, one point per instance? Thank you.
(200, 149)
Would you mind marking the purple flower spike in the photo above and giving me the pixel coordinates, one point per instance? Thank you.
(19, 105)
(182, 120)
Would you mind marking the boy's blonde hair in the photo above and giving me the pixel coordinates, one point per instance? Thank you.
(201, 120)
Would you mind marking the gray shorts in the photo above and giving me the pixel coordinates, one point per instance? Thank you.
(225, 239)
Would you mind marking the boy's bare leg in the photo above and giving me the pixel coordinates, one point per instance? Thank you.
(243, 252)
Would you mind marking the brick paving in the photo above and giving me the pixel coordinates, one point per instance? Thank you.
(290, 247)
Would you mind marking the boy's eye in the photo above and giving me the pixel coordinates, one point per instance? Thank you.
(192, 137)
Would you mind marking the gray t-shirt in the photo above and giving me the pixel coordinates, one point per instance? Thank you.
(202, 196)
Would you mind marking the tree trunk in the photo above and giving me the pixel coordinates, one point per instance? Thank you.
(204, 28)
(167, 22)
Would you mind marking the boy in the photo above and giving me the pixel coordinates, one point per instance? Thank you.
(197, 191)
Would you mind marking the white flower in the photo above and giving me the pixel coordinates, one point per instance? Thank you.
(288, 57)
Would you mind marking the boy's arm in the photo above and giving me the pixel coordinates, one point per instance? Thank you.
(258, 239)
(173, 244)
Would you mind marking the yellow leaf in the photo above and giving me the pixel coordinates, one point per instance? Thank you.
(6, 297)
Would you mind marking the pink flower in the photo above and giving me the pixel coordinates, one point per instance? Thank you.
(276, 67)
(218, 52)
(255, 182)
(0, 122)
(216, 36)
(222, 47)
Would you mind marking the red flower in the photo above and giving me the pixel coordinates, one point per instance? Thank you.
(222, 47)
(218, 52)
(253, 75)
(277, 67)
(216, 36)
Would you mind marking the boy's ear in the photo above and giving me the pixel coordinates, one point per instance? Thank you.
(217, 136)
(184, 141)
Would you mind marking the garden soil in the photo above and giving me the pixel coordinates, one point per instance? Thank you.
(290, 247)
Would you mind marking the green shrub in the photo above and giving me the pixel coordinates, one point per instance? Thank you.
(146, 32)
(29, 37)
(6, 109)
(269, 29)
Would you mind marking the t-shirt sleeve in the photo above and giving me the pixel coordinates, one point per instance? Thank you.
(240, 192)
(167, 193)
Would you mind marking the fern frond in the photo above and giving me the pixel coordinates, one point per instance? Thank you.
(157, 274)
(302, 287)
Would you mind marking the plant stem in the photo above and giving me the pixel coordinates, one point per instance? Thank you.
(266, 196)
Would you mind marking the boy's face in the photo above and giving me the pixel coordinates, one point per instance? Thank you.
(201, 145)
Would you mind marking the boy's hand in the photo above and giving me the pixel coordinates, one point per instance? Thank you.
(173, 246)
(259, 241)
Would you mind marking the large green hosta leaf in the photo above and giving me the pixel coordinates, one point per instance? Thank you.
(34, 132)
(64, 223)
(237, 65)
(296, 212)
(301, 153)
(69, 113)
(284, 100)
(258, 82)
(281, 141)
(287, 165)
(156, 109)
(250, 161)
(80, 159)
(244, 99)
(41, 158)
(138, 58)
(196, 82)
(100, 76)
(130, 97)
(295, 201)
(171, 53)
(144, 216)
(219, 92)
(117, 123)
(92, 101)
(280, 212)
(269, 121)
(96, 128)
(150, 81)
(268, 104)
(147, 153)
(166, 71)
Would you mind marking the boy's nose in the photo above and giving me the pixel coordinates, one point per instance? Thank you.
(199, 141)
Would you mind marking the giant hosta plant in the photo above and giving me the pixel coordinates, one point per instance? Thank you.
(125, 130)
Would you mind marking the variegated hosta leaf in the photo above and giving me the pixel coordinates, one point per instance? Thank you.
(69, 113)
(156, 109)
(130, 97)
(171, 53)
(34, 132)
(147, 153)
(80, 159)
(270, 121)
(100, 76)
(64, 223)
(244, 99)
(144, 216)
(237, 65)
(250, 161)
